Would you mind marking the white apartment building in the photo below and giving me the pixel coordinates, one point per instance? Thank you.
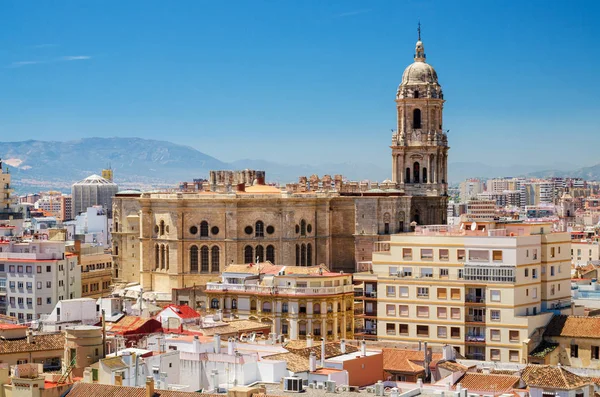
(69, 312)
(38, 275)
(469, 189)
(483, 288)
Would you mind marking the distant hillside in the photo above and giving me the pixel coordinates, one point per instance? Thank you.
(144, 163)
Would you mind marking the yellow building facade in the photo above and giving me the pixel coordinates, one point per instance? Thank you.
(482, 288)
(298, 302)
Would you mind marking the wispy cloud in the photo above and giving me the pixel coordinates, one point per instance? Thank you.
(351, 13)
(23, 63)
(76, 58)
(68, 58)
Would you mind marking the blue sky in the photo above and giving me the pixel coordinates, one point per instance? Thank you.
(303, 81)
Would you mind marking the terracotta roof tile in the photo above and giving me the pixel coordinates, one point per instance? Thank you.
(403, 360)
(99, 390)
(574, 327)
(452, 366)
(497, 384)
(40, 343)
(183, 311)
(297, 359)
(547, 376)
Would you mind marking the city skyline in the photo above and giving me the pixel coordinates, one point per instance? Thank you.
(275, 75)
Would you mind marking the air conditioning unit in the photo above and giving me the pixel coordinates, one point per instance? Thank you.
(320, 386)
(330, 386)
(311, 385)
(292, 384)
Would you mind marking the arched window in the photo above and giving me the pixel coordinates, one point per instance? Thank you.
(417, 118)
(156, 256)
(303, 255)
(266, 307)
(259, 229)
(317, 308)
(116, 249)
(204, 259)
(167, 255)
(252, 305)
(303, 227)
(416, 170)
(284, 307)
(407, 175)
(248, 254)
(117, 226)
(214, 304)
(162, 256)
(162, 227)
(260, 253)
(203, 229)
(309, 254)
(416, 94)
(424, 174)
(214, 259)
(297, 255)
(194, 259)
(271, 253)
(234, 303)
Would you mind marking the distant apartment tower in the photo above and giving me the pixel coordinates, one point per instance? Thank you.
(6, 212)
(93, 190)
(107, 174)
(469, 189)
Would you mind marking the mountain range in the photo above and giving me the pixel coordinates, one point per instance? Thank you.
(143, 163)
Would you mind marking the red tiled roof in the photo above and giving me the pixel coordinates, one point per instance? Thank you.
(183, 311)
(574, 327)
(100, 390)
(547, 376)
(11, 326)
(408, 361)
(133, 324)
(497, 384)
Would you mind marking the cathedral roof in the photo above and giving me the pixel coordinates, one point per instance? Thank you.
(419, 72)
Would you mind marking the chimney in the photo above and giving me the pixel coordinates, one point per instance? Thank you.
(322, 352)
(420, 383)
(29, 336)
(420, 345)
(230, 346)
(426, 359)
(215, 379)
(217, 343)
(118, 380)
(363, 348)
(196, 344)
(87, 375)
(447, 351)
(260, 177)
(309, 340)
(149, 386)
(343, 346)
(126, 357)
(241, 187)
(394, 392)
(312, 362)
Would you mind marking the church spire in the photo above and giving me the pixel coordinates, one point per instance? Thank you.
(419, 49)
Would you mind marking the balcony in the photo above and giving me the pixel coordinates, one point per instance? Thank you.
(363, 294)
(475, 356)
(475, 338)
(365, 331)
(474, 299)
(478, 318)
(260, 289)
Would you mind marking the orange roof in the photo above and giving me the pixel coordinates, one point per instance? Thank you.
(574, 327)
(326, 371)
(402, 360)
(547, 376)
(492, 383)
(11, 326)
(183, 311)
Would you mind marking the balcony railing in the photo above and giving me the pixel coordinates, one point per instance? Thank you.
(475, 356)
(260, 289)
(474, 299)
(476, 318)
(475, 338)
(366, 331)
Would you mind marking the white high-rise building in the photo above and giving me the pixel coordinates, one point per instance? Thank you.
(93, 190)
(38, 274)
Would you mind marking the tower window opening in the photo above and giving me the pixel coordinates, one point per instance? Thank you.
(416, 170)
(424, 175)
(416, 94)
(417, 118)
(407, 176)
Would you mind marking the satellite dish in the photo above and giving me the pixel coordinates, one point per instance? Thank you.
(474, 226)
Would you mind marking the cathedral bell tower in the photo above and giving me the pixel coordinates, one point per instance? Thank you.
(420, 145)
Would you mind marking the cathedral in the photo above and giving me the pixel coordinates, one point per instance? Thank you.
(167, 240)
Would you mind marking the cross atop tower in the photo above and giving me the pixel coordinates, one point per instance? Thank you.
(419, 30)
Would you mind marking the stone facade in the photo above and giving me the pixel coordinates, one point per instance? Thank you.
(181, 239)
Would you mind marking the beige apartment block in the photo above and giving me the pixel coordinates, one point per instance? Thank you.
(480, 287)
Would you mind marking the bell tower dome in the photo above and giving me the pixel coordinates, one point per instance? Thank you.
(420, 144)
